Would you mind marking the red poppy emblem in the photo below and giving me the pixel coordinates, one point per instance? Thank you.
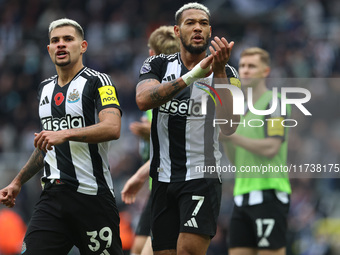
(59, 98)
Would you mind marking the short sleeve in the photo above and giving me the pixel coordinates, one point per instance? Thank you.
(152, 68)
(106, 94)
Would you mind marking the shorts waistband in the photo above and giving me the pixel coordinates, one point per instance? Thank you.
(261, 196)
(55, 182)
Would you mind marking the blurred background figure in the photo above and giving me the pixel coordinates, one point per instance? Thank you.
(161, 41)
(261, 201)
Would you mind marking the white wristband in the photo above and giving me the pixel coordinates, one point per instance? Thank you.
(195, 73)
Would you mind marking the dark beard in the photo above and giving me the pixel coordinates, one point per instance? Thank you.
(194, 50)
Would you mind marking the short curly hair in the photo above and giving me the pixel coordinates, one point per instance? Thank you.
(193, 5)
(66, 22)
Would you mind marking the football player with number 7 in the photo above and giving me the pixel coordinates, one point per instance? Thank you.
(185, 202)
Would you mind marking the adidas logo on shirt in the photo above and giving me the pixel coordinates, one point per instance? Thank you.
(169, 78)
(191, 223)
(45, 101)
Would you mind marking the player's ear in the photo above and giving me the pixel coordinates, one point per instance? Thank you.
(176, 30)
(266, 71)
(48, 49)
(151, 52)
(83, 46)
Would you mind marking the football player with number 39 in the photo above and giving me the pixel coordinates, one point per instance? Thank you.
(80, 114)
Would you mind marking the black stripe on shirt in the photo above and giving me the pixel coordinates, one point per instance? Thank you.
(63, 151)
(155, 161)
(89, 113)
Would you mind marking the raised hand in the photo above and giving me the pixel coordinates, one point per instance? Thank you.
(220, 51)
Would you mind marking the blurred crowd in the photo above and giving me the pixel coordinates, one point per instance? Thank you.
(303, 37)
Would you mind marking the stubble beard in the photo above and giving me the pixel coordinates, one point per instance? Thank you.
(62, 63)
(194, 49)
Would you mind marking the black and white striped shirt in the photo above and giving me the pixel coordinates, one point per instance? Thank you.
(82, 166)
(182, 138)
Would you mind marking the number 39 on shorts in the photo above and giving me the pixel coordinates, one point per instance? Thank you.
(105, 234)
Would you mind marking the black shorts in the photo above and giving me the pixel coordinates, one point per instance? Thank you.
(261, 226)
(63, 218)
(144, 224)
(191, 206)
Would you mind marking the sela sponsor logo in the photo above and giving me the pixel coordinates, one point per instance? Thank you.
(190, 107)
(186, 107)
(55, 124)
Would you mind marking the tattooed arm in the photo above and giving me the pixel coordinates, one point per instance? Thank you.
(33, 166)
(151, 93)
(107, 129)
